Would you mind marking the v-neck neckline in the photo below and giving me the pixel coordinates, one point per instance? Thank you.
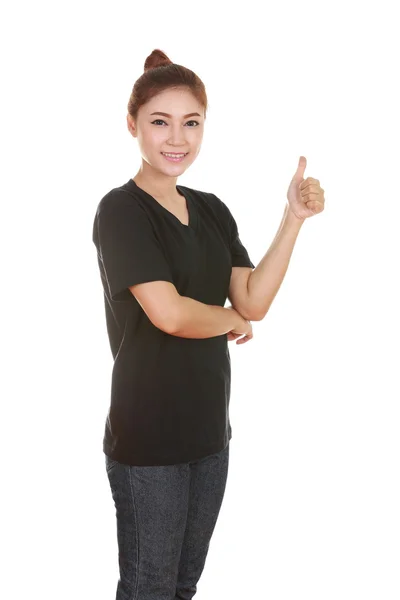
(189, 204)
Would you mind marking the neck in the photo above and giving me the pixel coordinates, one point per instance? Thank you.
(157, 184)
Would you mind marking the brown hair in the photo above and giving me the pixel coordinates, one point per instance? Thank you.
(160, 74)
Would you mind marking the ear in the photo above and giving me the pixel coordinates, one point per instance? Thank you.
(131, 125)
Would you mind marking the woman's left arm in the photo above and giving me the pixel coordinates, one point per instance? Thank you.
(305, 199)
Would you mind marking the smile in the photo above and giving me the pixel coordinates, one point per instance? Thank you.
(173, 156)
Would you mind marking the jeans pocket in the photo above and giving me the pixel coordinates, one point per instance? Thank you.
(110, 463)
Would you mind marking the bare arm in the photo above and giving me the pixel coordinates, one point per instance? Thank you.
(197, 320)
(183, 316)
(266, 279)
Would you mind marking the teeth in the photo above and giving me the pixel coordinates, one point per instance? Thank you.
(174, 155)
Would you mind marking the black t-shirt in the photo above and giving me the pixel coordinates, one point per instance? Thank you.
(169, 395)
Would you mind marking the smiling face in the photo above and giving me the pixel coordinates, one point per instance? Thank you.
(181, 132)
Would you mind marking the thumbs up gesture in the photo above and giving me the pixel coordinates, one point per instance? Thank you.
(305, 196)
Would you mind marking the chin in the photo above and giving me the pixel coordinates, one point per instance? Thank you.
(174, 167)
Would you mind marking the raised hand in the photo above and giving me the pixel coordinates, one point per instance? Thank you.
(305, 196)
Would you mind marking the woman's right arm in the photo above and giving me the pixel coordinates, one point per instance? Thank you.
(183, 316)
(198, 320)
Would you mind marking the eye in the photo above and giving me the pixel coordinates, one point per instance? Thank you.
(162, 121)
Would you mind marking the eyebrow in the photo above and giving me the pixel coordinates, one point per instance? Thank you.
(195, 114)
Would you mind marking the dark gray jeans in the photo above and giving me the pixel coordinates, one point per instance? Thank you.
(165, 519)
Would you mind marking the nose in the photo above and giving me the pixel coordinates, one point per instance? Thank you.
(177, 135)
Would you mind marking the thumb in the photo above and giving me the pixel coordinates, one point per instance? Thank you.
(298, 176)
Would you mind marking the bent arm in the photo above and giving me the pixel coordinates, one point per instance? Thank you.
(264, 282)
(197, 320)
(183, 316)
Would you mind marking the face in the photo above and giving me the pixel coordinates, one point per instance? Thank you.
(178, 133)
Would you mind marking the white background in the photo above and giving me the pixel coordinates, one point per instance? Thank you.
(311, 508)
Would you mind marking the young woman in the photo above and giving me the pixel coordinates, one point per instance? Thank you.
(169, 257)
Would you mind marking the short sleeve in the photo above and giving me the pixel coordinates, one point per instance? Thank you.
(128, 248)
(239, 254)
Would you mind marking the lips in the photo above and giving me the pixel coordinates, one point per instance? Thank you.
(175, 157)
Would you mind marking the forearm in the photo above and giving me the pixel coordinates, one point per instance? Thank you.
(265, 281)
(197, 320)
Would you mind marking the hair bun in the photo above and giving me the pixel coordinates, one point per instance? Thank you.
(156, 59)
(162, 74)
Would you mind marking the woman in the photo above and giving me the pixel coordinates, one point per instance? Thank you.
(169, 256)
